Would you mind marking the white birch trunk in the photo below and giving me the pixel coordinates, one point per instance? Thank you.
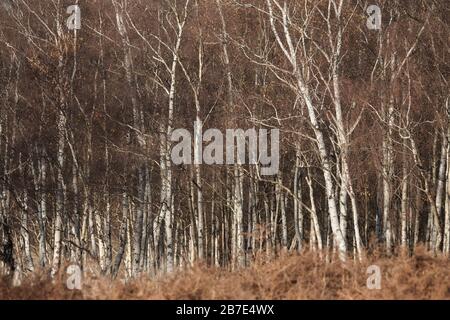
(303, 91)
(404, 206)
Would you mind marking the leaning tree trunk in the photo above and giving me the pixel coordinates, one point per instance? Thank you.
(304, 92)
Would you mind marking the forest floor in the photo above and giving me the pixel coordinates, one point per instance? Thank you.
(306, 276)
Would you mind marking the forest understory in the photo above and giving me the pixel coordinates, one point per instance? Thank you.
(291, 277)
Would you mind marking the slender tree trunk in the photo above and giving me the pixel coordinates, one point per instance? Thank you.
(28, 263)
(446, 244)
(298, 207)
(57, 231)
(436, 233)
(314, 218)
(404, 206)
(42, 213)
(122, 237)
(387, 178)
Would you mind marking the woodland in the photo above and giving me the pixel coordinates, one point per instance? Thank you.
(87, 113)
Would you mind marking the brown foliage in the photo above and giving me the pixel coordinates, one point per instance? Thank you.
(307, 276)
